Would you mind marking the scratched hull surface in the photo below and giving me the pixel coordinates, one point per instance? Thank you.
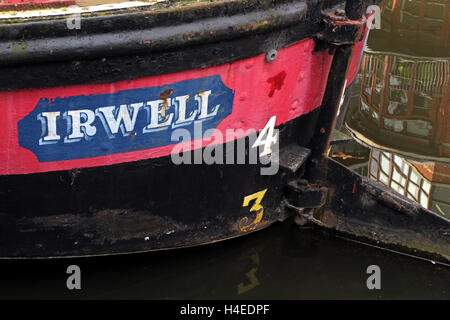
(89, 135)
(144, 205)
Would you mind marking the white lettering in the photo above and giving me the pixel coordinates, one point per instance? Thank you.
(161, 115)
(80, 129)
(181, 111)
(48, 120)
(202, 100)
(121, 120)
(159, 120)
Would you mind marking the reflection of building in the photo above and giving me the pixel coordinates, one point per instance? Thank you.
(424, 21)
(403, 115)
(404, 105)
(428, 185)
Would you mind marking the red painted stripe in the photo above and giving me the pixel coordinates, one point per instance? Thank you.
(255, 102)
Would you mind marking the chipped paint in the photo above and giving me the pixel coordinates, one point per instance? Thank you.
(54, 11)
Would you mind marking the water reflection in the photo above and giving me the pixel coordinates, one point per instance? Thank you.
(416, 27)
(400, 105)
(281, 262)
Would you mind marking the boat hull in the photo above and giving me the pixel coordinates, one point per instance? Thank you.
(137, 206)
(88, 134)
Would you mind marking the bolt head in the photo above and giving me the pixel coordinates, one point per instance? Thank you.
(271, 55)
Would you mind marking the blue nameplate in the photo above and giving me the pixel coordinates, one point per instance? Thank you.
(95, 125)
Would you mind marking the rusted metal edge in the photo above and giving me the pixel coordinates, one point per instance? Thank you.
(365, 210)
(123, 253)
(339, 30)
(88, 43)
(42, 54)
(59, 9)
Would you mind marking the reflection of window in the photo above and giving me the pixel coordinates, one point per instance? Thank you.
(378, 87)
(401, 164)
(422, 105)
(398, 178)
(384, 178)
(402, 69)
(396, 173)
(414, 177)
(435, 10)
(398, 95)
(394, 81)
(413, 191)
(397, 187)
(418, 127)
(426, 186)
(423, 199)
(375, 115)
(396, 108)
(385, 163)
(393, 124)
(374, 168)
(374, 164)
(364, 106)
(376, 99)
(433, 26)
(412, 7)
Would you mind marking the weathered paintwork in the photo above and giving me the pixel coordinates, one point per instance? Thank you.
(365, 210)
(107, 196)
(117, 197)
(285, 88)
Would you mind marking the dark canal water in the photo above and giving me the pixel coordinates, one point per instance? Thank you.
(395, 130)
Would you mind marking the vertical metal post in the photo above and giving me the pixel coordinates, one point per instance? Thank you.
(335, 89)
(331, 101)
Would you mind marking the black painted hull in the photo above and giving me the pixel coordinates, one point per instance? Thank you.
(138, 206)
(51, 207)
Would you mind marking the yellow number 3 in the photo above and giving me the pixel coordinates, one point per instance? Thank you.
(256, 207)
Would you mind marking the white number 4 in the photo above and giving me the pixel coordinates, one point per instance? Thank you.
(270, 138)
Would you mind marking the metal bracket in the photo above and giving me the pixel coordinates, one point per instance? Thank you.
(293, 157)
(340, 30)
(302, 195)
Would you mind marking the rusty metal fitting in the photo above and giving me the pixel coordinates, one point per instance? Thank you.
(340, 30)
